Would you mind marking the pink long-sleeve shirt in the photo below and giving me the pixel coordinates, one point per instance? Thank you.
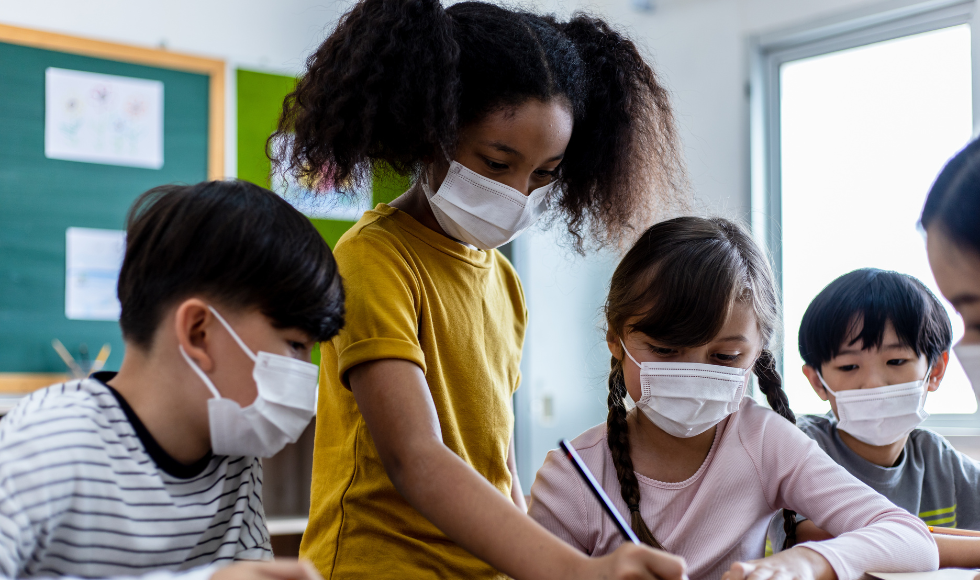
(758, 464)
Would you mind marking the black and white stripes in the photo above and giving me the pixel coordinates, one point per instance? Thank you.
(85, 491)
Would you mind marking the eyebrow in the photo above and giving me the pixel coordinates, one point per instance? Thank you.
(893, 346)
(734, 337)
(505, 148)
(963, 299)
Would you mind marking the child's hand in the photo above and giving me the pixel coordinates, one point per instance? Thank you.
(794, 564)
(279, 569)
(632, 562)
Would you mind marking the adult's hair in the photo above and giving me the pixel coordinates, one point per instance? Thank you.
(231, 242)
(682, 279)
(860, 304)
(397, 80)
(953, 203)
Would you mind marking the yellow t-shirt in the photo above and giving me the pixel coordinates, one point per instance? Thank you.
(457, 313)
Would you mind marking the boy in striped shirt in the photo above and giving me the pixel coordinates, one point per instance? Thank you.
(155, 470)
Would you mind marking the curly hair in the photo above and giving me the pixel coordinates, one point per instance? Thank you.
(397, 80)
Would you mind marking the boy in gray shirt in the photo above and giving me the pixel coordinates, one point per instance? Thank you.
(875, 343)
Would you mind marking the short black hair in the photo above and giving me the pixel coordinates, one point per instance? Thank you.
(954, 200)
(871, 298)
(233, 242)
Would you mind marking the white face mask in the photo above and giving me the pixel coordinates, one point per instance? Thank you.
(687, 399)
(285, 404)
(882, 415)
(482, 212)
(969, 357)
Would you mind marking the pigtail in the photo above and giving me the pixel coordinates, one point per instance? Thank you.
(622, 163)
(771, 386)
(383, 86)
(617, 436)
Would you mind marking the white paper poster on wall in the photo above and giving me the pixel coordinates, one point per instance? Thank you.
(93, 258)
(97, 118)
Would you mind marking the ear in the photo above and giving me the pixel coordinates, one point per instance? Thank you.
(192, 323)
(938, 371)
(614, 344)
(814, 378)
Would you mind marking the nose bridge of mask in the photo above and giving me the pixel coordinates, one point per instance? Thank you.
(704, 381)
(489, 199)
(880, 402)
(876, 392)
(269, 371)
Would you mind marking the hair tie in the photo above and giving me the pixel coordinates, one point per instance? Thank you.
(634, 507)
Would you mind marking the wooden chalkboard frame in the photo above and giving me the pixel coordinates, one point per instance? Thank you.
(214, 68)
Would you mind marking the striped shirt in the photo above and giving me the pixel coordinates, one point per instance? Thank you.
(86, 491)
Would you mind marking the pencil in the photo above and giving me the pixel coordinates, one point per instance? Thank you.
(597, 491)
(955, 532)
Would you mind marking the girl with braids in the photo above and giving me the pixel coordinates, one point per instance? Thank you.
(498, 115)
(697, 470)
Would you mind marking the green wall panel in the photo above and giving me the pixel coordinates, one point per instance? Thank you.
(260, 97)
(40, 198)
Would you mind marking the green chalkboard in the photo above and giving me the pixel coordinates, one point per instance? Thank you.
(40, 198)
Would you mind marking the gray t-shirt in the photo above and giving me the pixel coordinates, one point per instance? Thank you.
(930, 479)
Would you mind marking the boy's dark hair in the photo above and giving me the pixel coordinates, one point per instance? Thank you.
(397, 79)
(954, 200)
(235, 243)
(871, 298)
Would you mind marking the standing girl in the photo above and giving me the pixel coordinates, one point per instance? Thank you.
(499, 115)
(690, 311)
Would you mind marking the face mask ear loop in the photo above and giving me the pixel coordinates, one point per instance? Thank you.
(628, 353)
(200, 373)
(824, 383)
(925, 383)
(234, 335)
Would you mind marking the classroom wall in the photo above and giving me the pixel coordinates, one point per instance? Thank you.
(700, 49)
(273, 35)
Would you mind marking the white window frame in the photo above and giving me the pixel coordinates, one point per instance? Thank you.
(769, 51)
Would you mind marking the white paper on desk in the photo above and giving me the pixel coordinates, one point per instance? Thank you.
(93, 259)
(108, 119)
(944, 574)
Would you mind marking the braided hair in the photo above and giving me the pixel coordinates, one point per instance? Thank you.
(397, 80)
(681, 279)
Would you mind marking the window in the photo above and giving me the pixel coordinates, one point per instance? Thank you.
(851, 125)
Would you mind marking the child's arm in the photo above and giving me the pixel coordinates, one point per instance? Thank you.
(807, 531)
(516, 491)
(958, 551)
(397, 406)
(871, 532)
